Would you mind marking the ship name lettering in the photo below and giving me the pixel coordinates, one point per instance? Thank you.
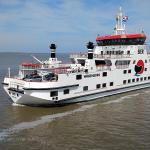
(140, 51)
(91, 75)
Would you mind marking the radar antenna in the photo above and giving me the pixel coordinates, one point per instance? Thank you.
(120, 26)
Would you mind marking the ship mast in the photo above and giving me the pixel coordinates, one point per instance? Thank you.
(120, 27)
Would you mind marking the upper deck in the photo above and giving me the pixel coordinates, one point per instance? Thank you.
(123, 39)
(119, 55)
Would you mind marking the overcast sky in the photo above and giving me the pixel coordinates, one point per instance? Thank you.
(31, 25)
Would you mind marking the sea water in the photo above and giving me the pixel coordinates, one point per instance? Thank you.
(120, 122)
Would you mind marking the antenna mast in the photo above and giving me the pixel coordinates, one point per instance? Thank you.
(120, 27)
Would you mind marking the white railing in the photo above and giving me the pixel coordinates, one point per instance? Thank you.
(105, 56)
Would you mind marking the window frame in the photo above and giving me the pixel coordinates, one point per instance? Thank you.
(53, 95)
(104, 74)
(124, 81)
(85, 88)
(66, 91)
(78, 76)
(111, 83)
(141, 79)
(124, 71)
(104, 85)
(98, 86)
(129, 71)
(129, 80)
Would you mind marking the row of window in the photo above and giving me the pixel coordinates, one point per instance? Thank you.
(127, 71)
(98, 86)
(122, 41)
(55, 93)
(136, 80)
(85, 88)
(119, 52)
(13, 93)
(103, 85)
(134, 61)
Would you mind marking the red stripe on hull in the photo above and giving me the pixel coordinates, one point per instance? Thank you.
(123, 36)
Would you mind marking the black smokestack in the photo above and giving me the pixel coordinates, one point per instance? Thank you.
(90, 47)
(53, 50)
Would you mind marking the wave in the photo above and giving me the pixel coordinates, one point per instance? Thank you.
(44, 119)
(121, 99)
(49, 118)
(14, 104)
(147, 91)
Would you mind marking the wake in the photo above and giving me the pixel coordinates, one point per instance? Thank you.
(49, 118)
(119, 100)
(44, 119)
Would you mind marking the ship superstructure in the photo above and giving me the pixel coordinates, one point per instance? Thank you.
(115, 64)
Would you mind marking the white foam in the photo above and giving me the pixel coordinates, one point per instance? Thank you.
(146, 91)
(14, 104)
(44, 119)
(121, 99)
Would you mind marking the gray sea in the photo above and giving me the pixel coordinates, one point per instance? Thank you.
(120, 122)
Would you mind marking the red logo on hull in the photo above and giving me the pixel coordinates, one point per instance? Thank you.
(139, 67)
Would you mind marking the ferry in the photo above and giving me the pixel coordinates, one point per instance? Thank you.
(116, 64)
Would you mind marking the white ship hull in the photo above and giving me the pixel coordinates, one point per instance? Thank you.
(35, 101)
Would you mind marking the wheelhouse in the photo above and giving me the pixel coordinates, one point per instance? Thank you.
(125, 39)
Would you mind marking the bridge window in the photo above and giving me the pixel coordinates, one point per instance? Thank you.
(122, 62)
(125, 41)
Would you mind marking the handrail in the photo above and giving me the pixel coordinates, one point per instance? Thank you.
(104, 56)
